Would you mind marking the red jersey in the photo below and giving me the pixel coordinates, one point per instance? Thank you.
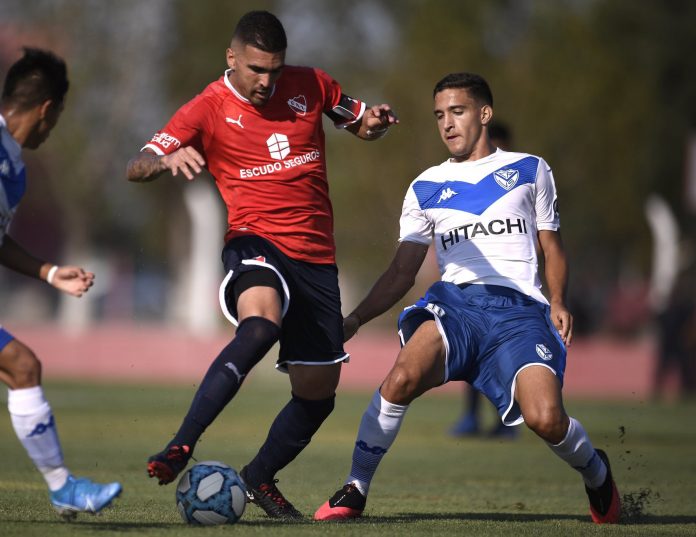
(268, 162)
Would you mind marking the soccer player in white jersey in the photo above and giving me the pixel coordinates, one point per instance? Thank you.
(32, 101)
(486, 321)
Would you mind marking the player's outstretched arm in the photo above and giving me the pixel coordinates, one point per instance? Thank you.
(374, 123)
(148, 166)
(69, 279)
(389, 288)
(556, 274)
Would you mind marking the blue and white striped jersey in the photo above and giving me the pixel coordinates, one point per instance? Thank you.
(12, 177)
(484, 216)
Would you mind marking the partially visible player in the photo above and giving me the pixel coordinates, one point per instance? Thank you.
(486, 321)
(258, 130)
(468, 425)
(32, 101)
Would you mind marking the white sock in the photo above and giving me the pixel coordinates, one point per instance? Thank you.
(34, 425)
(378, 429)
(576, 449)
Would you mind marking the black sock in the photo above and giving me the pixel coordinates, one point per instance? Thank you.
(291, 431)
(255, 336)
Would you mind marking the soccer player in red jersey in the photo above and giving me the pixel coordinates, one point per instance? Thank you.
(258, 131)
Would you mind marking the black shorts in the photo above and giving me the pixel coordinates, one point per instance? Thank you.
(312, 326)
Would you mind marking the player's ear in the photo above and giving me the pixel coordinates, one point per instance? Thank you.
(486, 114)
(231, 60)
(45, 108)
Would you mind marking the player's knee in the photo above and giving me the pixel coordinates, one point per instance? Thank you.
(316, 410)
(314, 382)
(548, 422)
(259, 331)
(400, 386)
(22, 365)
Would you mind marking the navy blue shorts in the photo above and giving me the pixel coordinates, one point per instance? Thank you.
(490, 333)
(5, 338)
(312, 327)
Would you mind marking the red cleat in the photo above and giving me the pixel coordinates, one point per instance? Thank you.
(347, 503)
(168, 464)
(605, 502)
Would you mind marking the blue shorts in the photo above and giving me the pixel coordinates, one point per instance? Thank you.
(312, 327)
(5, 338)
(490, 333)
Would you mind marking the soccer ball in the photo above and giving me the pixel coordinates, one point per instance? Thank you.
(210, 493)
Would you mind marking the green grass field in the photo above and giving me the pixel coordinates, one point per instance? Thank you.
(429, 484)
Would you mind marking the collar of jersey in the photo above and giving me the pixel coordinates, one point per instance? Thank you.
(3, 125)
(236, 93)
(497, 151)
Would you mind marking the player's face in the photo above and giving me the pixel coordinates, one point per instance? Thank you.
(460, 120)
(47, 117)
(254, 71)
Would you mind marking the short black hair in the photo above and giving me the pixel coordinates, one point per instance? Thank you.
(476, 85)
(37, 77)
(262, 30)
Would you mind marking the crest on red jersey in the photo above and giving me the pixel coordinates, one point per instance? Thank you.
(298, 104)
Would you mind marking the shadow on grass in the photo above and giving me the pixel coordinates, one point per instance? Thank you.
(512, 517)
(95, 525)
(397, 518)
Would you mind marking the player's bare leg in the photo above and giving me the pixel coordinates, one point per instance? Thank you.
(419, 367)
(34, 424)
(19, 365)
(538, 392)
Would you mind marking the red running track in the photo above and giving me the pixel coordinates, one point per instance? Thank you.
(597, 367)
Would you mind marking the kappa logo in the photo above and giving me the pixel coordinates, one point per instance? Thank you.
(506, 178)
(278, 146)
(5, 168)
(544, 352)
(298, 104)
(237, 121)
(446, 194)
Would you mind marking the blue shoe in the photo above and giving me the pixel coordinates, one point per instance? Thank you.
(83, 496)
(466, 426)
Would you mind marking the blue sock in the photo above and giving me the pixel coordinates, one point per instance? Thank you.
(290, 433)
(255, 336)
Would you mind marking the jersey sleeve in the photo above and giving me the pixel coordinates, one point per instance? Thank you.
(185, 128)
(415, 226)
(546, 205)
(342, 109)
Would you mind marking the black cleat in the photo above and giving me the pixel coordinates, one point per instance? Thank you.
(605, 503)
(270, 499)
(168, 464)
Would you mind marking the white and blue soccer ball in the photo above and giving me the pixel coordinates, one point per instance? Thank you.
(210, 493)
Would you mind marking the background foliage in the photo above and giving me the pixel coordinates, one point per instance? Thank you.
(602, 89)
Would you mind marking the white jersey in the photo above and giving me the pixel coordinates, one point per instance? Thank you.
(12, 177)
(484, 216)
